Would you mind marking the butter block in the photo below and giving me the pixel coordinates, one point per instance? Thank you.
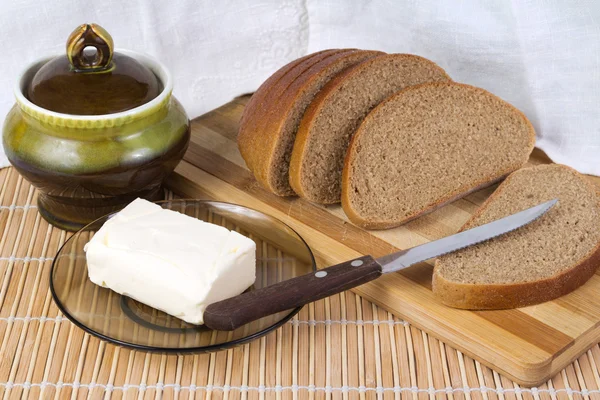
(170, 261)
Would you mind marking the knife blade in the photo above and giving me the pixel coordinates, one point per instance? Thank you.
(229, 314)
(405, 258)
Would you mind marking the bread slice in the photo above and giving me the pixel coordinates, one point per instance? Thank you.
(541, 261)
(261, 102)
(429, 145)
(336, 112)
(280, 125)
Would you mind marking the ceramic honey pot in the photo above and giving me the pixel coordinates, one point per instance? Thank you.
(94, 129)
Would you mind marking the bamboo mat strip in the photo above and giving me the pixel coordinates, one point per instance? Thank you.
(343, 347)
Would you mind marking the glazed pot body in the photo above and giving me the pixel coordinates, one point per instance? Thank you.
(88, 166)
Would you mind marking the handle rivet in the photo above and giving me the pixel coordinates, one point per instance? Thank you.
(356, 263)
(321, 274)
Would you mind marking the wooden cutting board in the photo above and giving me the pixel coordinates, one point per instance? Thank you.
(528, 345)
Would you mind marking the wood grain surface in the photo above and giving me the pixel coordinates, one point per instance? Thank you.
(528, 345)
(340, 348)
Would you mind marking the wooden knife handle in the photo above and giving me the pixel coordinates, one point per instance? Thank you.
(230, 314)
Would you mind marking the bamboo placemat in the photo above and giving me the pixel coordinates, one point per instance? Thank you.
(343, 347)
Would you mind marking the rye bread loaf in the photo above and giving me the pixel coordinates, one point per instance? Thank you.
(337, 110)
(429, 145)
(541, 261)
(279, 126)
(261, 102)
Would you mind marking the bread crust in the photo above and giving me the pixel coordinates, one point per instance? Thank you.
(274, 122)
(263, 138)
(248, 116)
(258, 105)
(357, 219)
(306, 125)
(310, 116)
(513, 295)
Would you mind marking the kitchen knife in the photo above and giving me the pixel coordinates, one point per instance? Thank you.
(236, 311)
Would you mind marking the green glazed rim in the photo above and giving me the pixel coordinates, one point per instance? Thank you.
(95, 121)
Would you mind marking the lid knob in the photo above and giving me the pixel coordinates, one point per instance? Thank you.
(81, 40)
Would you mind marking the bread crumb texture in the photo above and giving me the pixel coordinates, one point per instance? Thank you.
(556, 242)
(428, 144)
(292, 106)
(343, 110)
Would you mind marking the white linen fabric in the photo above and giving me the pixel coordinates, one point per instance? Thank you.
(543, 56)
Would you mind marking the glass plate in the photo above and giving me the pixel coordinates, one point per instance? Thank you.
(280, 254)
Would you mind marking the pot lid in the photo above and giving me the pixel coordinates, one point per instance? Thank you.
(92, 79)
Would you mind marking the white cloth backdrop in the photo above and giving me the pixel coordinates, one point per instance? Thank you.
(543, 56)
